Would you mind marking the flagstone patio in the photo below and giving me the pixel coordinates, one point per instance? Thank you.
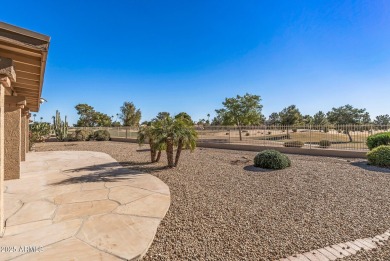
(80, 205)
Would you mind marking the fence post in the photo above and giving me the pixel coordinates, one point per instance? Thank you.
(229, 135)
(126, 133)
(310, 135)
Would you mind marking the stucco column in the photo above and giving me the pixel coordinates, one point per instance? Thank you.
(28, 116)
(12, 142)
(7, 74)
(2, 91)
(23, 136)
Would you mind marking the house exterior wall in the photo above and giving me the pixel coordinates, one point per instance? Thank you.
(2, 91)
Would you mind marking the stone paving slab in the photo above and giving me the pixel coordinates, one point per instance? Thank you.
(83, 205)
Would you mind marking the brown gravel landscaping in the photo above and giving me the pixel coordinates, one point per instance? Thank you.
(225, 209)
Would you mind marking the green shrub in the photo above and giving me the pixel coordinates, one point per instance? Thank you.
(247, 134)
(38, 132)
(294, 143)
(294, 129)
(325, 143)
(82, 135)
(70, 137)
(271, 159)
(101, 135)
(378, 139)
(379, 156)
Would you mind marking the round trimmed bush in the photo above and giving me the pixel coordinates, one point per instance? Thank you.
(82, 135)
(325, 143)
(378, 139)
(379, 156)
(271, 159)
(101, 135)
(294, 143)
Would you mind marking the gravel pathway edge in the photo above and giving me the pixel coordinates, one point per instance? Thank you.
(341, 250)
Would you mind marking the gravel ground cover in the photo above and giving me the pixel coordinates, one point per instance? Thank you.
(224, 209)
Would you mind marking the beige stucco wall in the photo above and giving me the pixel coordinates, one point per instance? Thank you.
(12, 135)
(23, 138)
(2, 90)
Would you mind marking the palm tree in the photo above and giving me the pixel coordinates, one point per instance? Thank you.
(186, 137)
(164, 133)
(146, 133)
(34, 115)
(169, 132)
(41, 119)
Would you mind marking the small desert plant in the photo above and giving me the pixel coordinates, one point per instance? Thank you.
(378, 139)
(379, 156)
(82, 135)
(101, 135)
(294, 143)
(269, 133)
(325, 143)
(38, 132)
(271, 159)
(247, 134)
(294, 129)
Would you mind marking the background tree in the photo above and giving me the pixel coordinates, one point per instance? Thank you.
(162, 115)
(290, 116)
(130, 115)
(91, 118)
(185, 116)
(273, 119)
(382, 120)
(86, 113)
(307, 119)
(347, 115)
(101, 120)
(216, 121)
(201, 122)
(241, 111)
(320, 118)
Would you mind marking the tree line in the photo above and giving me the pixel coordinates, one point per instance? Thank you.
(238, 111)
(88, 117)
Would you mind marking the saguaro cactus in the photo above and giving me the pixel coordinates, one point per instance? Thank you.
(60, 127)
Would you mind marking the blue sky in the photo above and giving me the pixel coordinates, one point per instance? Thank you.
(189, 55)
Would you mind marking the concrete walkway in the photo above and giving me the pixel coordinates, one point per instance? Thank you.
(76, 205)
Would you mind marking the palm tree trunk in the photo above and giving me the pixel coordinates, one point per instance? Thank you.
(170, 152)
(349, 136)
(152, 151)
(178, 152)
(158, 156)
